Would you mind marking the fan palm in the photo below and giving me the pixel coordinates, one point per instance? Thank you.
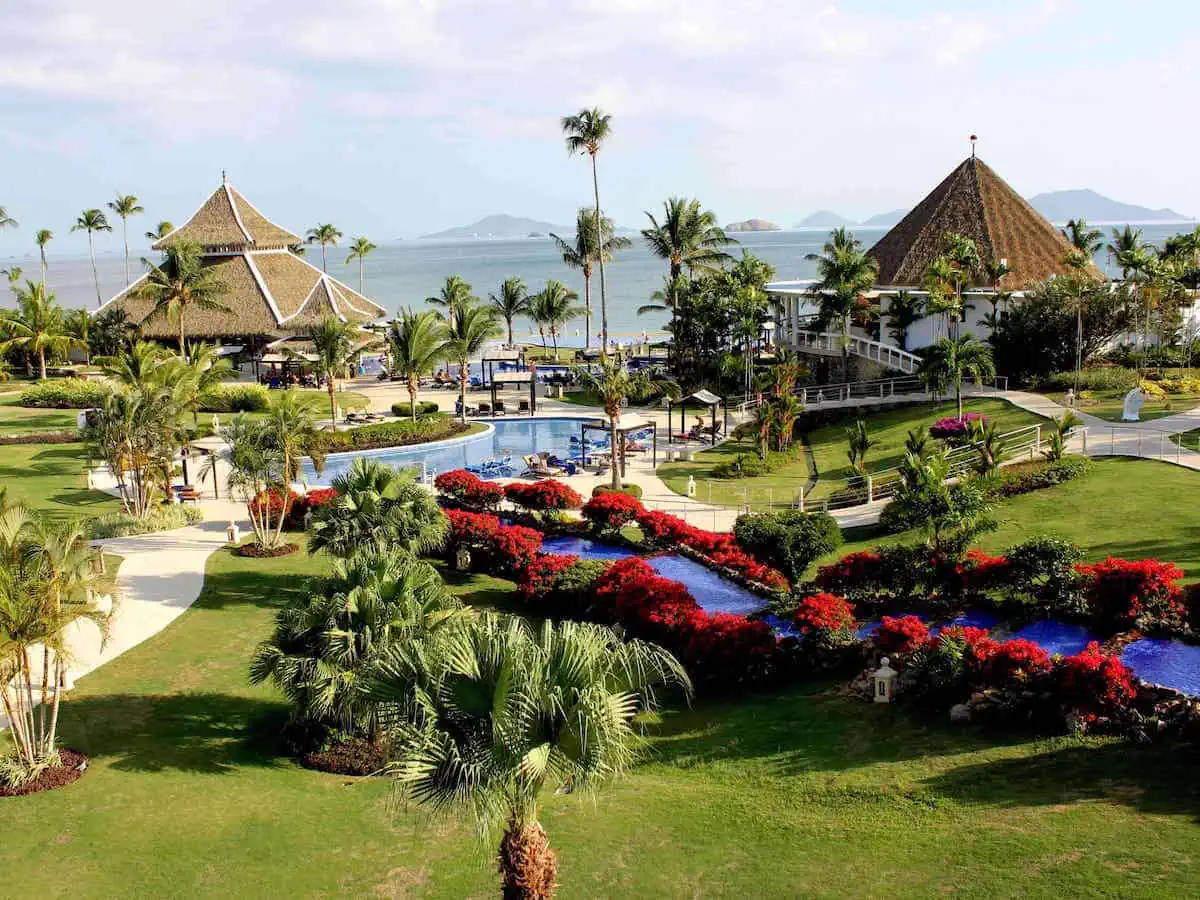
(125, 205)
(160, 231)
(466, 334)
(378, 505)
(951, 360)
(415, 343)
(844, 272)
(335, 344)
(359, 250)
(553, 307)
(612, 382)
(512, 301)
(92, 221)
(454, 295)
(37, 327)
(585, 251)
(324, 235)
(42, 238)
(488, 715)
(181, 284)
(586, 132)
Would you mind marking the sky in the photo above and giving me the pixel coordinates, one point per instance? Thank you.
(393, 118)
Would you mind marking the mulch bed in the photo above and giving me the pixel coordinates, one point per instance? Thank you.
(357, 758)
(256, 550)
(57, 777)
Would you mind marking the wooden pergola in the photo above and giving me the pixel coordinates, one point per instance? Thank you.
(704, 398)
(622, 427)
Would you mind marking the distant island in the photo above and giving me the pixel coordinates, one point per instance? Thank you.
(502, 226)
(1060, 206)
(823, 218)
(752, 225)
(884, 219)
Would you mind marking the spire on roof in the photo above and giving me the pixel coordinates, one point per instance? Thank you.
(224, 180)
(974, 138)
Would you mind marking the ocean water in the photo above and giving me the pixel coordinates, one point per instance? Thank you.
(404, 273)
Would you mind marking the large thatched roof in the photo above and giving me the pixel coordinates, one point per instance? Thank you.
(228, 222)
(976, 202)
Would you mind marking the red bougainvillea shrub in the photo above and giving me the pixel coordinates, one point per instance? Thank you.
(1121, 593)
(310, 502)
(539, 576)
(666, 530)
(978, 645)
(953, 428)
(543, 495)
(276, 502)
(501, 549)
(826, 613)
(1015, 660)
(901, 635)
(612, 512)
(469, 490)
(723, 649)
(1094, 683)
(854, 575)
(978, 571)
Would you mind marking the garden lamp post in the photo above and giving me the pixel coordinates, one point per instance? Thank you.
(885, 682)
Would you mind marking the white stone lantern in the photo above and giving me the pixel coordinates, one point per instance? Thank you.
(885, 682)
(462, 559)
(691, 486)
(233, 534)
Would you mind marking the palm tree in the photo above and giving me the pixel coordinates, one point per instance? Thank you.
(160, 231)
(334, 345)
(612, 382)
(37, 327)
(125, 205)
(512, 301)
(951, 360)
(1132, 254)
(584, 252)
(858, 441)
(553, 307)
(91, 221)
(415, 344)
(6, 221)
(137, 368)
(180, 284)
(358, 250)
(136, 433)
(585, 132)
(904, 310)
(42, 238)
(965, 265)
(257, 470)
(201, 368)
(454, 295)
(290, 425)
(687, 236)
(844, 272)
(323, 235)
(1084, 238)
(493, 713)
(79, 327)
(466, 334)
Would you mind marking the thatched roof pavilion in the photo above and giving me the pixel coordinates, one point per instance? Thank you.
(976, 202)
(273, 292)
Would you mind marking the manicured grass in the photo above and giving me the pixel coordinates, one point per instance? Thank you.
(798, 792)
(828, 446)
(15, 419)
(1189, 440)
(50, 478)
(1109, 405)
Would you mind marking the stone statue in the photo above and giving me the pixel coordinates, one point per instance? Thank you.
(1133, 406)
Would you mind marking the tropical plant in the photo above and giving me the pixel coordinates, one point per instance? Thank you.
(377, 505)
(585, 251)
(415, 343)
(766, 423)
(125, 205)
(257, 474)
(586, 132)
(37, 327)
(904, 310)
(359, 249)
(612, 383)
(952, 515)
(1135, 258)
(455, 295)
(1057, 439)
(202, 369)
(79, 327)
(468, 332)
(916, 442)
(512, 301)
(493, 713)
(161, 230)
(323, 234)
(180, 285)
(92, 221)
(13, 274)
(858, 441)
(335, 344)
(844, 272)
(1084, 238)
(136, 432)
(42, 238)
(552, 308)
(6, 221)
(138, 366)
(950, 360)
(990, 447)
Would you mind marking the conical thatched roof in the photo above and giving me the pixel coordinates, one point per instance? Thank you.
(227, 222)
(976, 202)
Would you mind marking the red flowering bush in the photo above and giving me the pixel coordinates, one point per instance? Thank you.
(659, 527)
(825, 613)
(977, 643)
(542, 495)
(901, 635)
(1121, 593)
(978, 571)
(666, 530)
(310, 502)
(539, 576)
(853, 573)
(1016, 659)
(953, 428)
(721, 648)
(276, 503)
(515, 547)
(469, 490)
(1094, 683)
(636, 596)
(612, 512)
(507, 548)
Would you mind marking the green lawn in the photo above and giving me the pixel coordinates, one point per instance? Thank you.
(798, 792)
(15, 419)
(1109, 405)
(50, 478)
(828, 446)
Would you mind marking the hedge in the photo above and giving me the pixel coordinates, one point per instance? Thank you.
(389, 434)
(424, 408)
(630, 490)
(1026, 477)
(70, 393)
(166, 518)
(235, 398)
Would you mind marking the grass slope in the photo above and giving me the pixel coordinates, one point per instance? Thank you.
(16, 419)
(50, 478)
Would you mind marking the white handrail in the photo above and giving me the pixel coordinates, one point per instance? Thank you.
(886, 354)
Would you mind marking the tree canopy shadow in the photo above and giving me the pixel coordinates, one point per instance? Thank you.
(263, 589)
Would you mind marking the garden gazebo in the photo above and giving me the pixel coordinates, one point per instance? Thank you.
(623, 426)
(701, 397)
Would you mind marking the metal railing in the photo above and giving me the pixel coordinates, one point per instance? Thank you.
(828, 344)
(881, 390)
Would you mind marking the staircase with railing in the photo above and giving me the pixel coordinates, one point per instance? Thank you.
(825, 343)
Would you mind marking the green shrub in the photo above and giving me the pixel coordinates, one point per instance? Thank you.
(632, 490)
(1026, 477)
(789, 540)
(1103, 378)
(435, 427)
(165, 518)
(70, 393)
(1042, 577)
(235, 398)
(424, 408)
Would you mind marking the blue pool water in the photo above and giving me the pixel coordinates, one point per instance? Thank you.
(1058, 637)
(584, 548)
(712, 592)
(1172, 664)
(515, 437)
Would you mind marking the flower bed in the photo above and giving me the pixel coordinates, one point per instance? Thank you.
(469, 490)
(494, 547)
(611, 512)
(953, 428)
(310, 502)
(1122, 593)
(546, 494)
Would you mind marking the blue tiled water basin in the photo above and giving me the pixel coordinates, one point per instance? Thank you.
(1172, 664)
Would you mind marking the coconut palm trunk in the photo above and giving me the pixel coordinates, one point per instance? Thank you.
(412, 395)
(42, 250)
(95, 274)
(42, 364)
(360, 274)
(125, 241)
(462, 391)
(587, 307)
(331, 386)
(600, 261)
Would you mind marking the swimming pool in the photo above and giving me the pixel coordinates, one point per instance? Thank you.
(1172, 664)
(517, 437)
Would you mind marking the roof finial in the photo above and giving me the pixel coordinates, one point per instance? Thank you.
(223, 180)
(974, 138)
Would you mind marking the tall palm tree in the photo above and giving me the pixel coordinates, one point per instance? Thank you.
(938, 281)
(1083, 237)
(202, 369)
(585, 251)
(91, 221)
(613, 383)
(512, 301)
(965, 267)
(125, 205)
(6, 221)
(415, 344)
(494, 713)
(553, 307)
(79, 327)
(844, 271)
(160, 231)
(290, 424)
(950, 360)
(42, 238)
(466, 334)
(359, 250)
(37, 327)
(687, 236)
(335, 344)
(324, 234)
(182, 283)
(454, 295)
(586, 132)
(1134, 256)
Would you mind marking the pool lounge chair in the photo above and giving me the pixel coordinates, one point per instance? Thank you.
(485, 409)
(499, 409)
(538, 468)
(523, 407)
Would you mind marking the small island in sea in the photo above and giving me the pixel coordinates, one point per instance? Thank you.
(752, 225)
